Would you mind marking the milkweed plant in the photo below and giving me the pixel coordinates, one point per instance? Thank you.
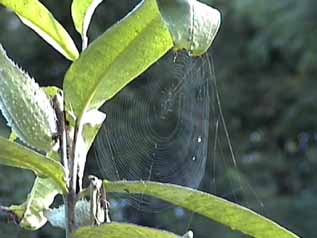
(53, 128)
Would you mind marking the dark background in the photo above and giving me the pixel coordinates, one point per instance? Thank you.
(265, 62)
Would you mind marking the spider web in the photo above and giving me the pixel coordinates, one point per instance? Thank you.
(167, 126)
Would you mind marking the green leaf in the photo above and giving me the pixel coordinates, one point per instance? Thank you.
(121, 230)
(117, 57)
(13, 136)
(38, 17)
(15, 155)
(52, 91)
(40, 198)
(82, 11)
(215, 208)
(193, 25)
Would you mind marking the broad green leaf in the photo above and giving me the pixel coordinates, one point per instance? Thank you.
(121, 230)
(117, 57)
(82, 11)
(36, 16)
(193, 25)
(40, 198)
(15, 155)
(215, 208)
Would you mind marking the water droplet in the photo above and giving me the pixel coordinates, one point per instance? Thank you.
(194, 158)
(199, 139)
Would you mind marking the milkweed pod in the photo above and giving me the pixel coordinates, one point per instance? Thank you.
(25, 106)
(192, 24)
(189, 234)
(56, 216)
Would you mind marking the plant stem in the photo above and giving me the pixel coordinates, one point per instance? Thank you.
(74, 160)
(61, 130)
(67, 227)
(70, 201)
(68, 156)
(84, 43)
(71, 197)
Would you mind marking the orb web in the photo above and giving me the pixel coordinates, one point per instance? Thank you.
(157, 127)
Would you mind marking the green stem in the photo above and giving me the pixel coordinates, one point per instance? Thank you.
(68, 156)
(84, 43)
(67, 227)
(71, 197)
(70, 201)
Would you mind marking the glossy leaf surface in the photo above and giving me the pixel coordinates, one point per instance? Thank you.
(121, 230)
(82, 11)
(15, 155)
(36, 16)
(118, 56)
(220, 210)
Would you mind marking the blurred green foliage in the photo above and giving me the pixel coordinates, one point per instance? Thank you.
(265, 61)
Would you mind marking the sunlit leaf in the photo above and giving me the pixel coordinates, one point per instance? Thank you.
(52, 91)
(35, 15)
(39, 199)
(193, 25)
(230, 214)
(82, 11)
(115, 58)
(13, 136)
(15, 155)
(121, 230)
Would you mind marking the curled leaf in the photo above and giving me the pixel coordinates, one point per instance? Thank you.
(91, 123)
(193, 25)
(31, 212)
